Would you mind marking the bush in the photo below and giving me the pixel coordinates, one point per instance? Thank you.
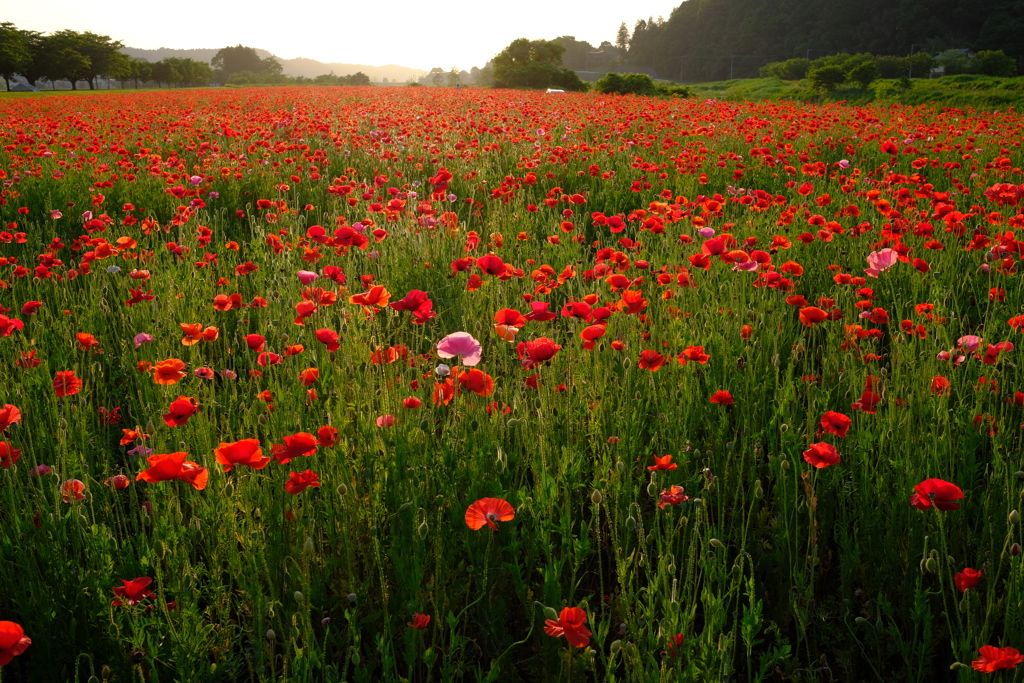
(672, 90)
(789, 70)
(863, 74)
(954, 62)
(995, 63)
(827, 78)
(626, 84)
(890, 66)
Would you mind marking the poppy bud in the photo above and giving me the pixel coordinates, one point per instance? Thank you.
(861, 621)
(596, 497)
(550, 613)
(307, 547)
(758, 491)
(619, 466)
(616, 646)
(716, 543)
(630, 523)
(931, 565)
(105, 672)
(784, 465)
(512, 423)
(1014, 518)
(423, 530)
(1015, 549)
(271, 636)
(342, 490)
(356, 659)
(299, 597)
(956, 666)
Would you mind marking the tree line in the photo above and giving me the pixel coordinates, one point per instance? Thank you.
(703, 39)
(84, 56)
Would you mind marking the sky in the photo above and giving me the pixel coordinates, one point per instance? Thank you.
(423, 35)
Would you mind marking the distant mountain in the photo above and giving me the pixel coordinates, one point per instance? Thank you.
(310, 68)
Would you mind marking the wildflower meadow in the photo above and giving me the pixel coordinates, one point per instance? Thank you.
(399, 384)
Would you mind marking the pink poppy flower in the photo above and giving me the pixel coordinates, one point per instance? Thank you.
(306, 276)
(460, 344)
(879, 261)
(386, 421)
(969, 343)
(142, 338)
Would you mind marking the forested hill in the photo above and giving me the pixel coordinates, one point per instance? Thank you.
(705, 40)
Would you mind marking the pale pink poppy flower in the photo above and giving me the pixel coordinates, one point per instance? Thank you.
(460, 344)
(969, 343)
(386, 421)
(746, 266)
(55, 214)
(306, 276)
(843, 163)
(879, 261)
(141, 338)
(706, 233)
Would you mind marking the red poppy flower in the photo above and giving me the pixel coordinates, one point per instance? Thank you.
(650, 360)
(411, 402)
(936, 493)
(940, 386)
(591, 334)
(171, 466)
(8, 454)
(327, 436)
(673, 495)
(477, 381)
(419, 621)
(821, 455)
(533, 353)
(723, 397)
(997, 658)
(329, 338)
(169, 371)
(268, 358)
(300, 444)
(31, 307)
(491, 265)
(811, 315)
(968, 578)
(835, 423)
(181, 409)
(376, 296)
(663, 463)
(488, 511)
(309, 376)
(13, 641)
(570, 624)
(9, 414)
(132, 592)
(300, 481)
(86, 341)
(693, 353)
(245, 452)
(255, 342)
(72, 488)
(118, 482)
(65, 383)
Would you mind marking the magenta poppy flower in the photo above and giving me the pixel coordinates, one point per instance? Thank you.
(142, 338)
(460, 344)
(386, 421)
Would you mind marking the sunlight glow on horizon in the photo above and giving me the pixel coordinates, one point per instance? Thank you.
(462, 34)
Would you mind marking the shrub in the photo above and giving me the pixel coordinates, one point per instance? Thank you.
(827, 78)
(789, 70)
(995, 63)
(863, 74)
(890, 66)
(626, 84)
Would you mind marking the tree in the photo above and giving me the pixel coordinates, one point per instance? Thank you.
(233, 60)
(789, 70)
(454, 77)
(863, 74)
(59, 58)
(436, 74)
(14, 52)
(995, 63)
(140, 71)
(827, 78)
(626, 84)
(534, 64)
(100, 52)
(622, 38)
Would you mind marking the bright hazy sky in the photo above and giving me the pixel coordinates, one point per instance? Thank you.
(460, 33)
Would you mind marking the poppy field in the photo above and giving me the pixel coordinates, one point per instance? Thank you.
(397, 384)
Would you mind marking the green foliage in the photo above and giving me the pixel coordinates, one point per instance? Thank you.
(238, 59)
(626, 84)
(994, 63)
(14, 51)
(534, 64)
(827, 78)
(954, 62)
(789, 70)
(863, 74)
